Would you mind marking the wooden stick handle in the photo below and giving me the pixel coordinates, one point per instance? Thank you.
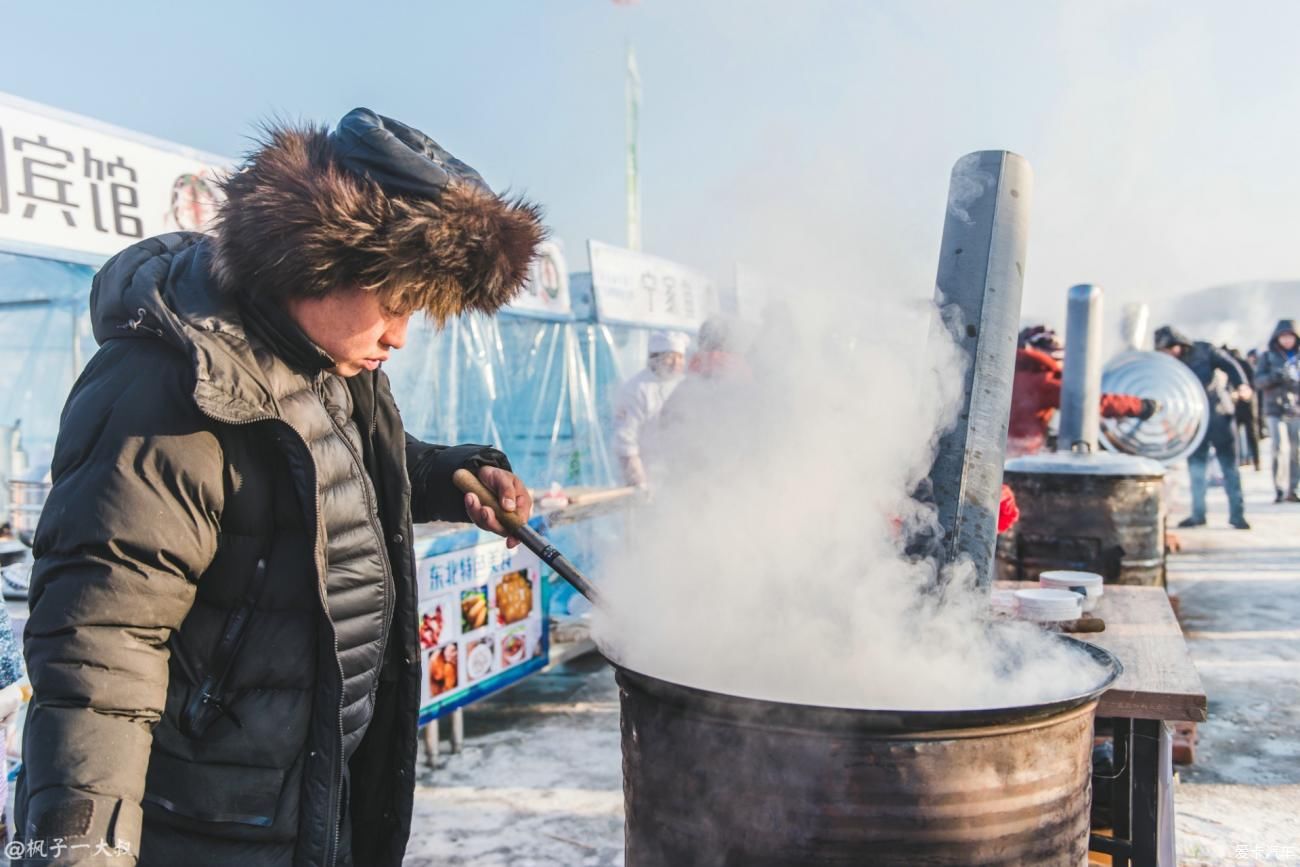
(1084, 624)
(470, 484)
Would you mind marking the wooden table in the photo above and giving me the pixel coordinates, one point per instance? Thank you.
(1159, 684)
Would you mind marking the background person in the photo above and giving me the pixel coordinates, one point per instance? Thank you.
(640, 400)
(1036, 393)
(1206, 360)
(1247, 415)
(1278, 380)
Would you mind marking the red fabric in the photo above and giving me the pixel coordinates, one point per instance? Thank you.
(1008, 511)
(1120, 406)
(1036, 395)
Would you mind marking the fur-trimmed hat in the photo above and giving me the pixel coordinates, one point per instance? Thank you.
(376, 205)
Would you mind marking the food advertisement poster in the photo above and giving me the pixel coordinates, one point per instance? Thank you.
(482, 625)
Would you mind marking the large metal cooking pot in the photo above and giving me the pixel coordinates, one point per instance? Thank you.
(1102, 513)
(712, 779)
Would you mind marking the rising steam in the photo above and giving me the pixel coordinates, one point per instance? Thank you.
(771, 561)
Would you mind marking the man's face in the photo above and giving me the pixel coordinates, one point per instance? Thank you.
(667, 364)
(1286, 340)
(1176, 351)
(352, 326)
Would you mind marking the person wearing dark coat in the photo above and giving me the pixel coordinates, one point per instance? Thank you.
(222, 641)
(1247, 413)
(1278, 379)
(1206, 361)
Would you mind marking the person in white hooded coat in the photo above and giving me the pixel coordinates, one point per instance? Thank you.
(641, 399)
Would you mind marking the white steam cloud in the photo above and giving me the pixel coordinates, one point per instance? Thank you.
(771, 562)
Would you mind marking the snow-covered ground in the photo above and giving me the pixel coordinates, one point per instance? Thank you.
(1240, 600)
(540, 780)
(539, 783)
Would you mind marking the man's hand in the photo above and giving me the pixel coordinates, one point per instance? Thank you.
(1244, 392)
(510, 492)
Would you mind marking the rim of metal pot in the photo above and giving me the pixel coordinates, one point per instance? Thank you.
(769, 714)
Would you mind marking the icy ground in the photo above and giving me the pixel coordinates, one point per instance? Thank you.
(1240, 600)
(540, 783)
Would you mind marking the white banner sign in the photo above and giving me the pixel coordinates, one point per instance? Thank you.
(634, 288)
(72, 184)
(546, 294)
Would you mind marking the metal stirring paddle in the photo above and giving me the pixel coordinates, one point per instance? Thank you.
(531, 539)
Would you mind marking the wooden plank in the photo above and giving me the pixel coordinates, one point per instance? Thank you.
(1160, 680)
(590, 503)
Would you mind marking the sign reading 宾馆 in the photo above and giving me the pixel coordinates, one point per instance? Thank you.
(71, 184)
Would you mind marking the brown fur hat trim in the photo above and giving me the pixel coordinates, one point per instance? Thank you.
(295, 222)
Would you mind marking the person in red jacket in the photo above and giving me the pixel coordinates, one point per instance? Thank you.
(1036, 393)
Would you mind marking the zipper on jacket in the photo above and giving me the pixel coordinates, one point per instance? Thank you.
(322, 575)
(376, 526)
(332, 853)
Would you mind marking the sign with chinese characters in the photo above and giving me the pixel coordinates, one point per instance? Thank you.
(482, 625)
(546, 294)
(631, 288)
(75, 185)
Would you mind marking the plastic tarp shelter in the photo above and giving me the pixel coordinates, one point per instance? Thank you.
(541, 389)
(538, 389)
(45, 339)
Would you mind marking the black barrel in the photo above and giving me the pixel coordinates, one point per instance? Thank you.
(724, 781)
(1101, 513)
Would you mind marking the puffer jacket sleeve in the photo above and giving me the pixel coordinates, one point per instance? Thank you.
(433, 495)
(130, 524)
(1225, 362)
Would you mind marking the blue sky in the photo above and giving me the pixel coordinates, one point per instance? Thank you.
(811, 139)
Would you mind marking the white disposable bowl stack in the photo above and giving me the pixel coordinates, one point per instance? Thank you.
(1048, 604)
(1087, 584)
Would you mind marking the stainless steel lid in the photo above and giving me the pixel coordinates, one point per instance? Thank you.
(1177, 429)
(1100, 464)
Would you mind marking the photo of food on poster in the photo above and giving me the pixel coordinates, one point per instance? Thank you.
(442, 669)
(514, 594)
(439, 621)
(473, 609)
(480, 658)
(519, 643)
(481, 624)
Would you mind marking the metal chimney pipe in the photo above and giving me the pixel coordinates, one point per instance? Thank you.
(1135, 326)
(981, 274)
(1081, 380)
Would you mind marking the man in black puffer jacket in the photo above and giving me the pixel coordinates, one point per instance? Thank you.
(222, 641)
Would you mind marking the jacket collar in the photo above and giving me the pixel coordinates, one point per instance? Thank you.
(163, 288)
(270, 323)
